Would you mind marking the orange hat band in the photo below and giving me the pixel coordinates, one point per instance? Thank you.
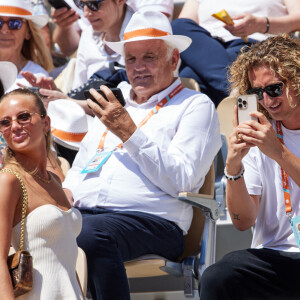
(150, 32)
(68, 136)
(12, 10)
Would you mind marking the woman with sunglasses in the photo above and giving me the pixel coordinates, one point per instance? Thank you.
(263, 172)
(21, 41)
(51, 224)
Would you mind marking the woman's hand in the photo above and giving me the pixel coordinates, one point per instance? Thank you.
(247, 24)
(40, 82)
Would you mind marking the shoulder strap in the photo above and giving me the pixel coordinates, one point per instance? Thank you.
(24, 204)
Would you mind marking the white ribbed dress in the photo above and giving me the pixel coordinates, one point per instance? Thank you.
(50, 237)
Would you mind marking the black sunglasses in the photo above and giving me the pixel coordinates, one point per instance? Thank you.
(93, 5)
(22, 118)
(273, 90)
(13, 24)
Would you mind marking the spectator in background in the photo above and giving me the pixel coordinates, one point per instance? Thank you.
(8, 75)
(216, 46)
(69, 36)
(266, 192)
(20, 40)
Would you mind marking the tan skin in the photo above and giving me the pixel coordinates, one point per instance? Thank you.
(11, 43)
(149, 71)
(108, 20)
(244, 208)
(24, 140)
(247, 24)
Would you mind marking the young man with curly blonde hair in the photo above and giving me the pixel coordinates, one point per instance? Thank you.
(263, 172)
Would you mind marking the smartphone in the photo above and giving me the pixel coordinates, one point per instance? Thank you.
(116, 91)
(59, 4)
(245, 105)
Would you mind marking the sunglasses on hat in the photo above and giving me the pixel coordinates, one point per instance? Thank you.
(13, 24)
(273, 90)
(93, 5)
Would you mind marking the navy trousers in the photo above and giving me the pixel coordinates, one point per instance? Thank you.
(110, 238)
(207, 59)
(253, 274)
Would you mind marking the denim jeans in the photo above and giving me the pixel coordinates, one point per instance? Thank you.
(207, 59)
(109, 238)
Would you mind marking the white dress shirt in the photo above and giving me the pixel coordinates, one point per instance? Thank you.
(91, 54)
(171, 153)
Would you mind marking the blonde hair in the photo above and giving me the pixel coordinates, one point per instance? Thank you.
(280, 53)
(35, 48)
(9, 156)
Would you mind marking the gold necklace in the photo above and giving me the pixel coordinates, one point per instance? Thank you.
(43, 179)
(39, 177)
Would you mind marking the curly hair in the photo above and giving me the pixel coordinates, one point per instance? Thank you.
(280, 53)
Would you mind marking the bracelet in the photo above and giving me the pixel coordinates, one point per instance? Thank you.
(268, 25)
(235, 177)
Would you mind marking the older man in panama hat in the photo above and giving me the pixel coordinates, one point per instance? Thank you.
(135, 159)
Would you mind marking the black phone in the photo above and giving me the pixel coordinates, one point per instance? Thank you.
(116, 91)
(59, 4)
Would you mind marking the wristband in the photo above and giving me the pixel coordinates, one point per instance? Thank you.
(235, 177)
(268, 25)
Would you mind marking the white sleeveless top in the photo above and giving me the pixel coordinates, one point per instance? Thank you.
(50, 237)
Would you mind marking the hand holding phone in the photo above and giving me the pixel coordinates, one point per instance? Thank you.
(59, 4)
(116, 91)
(245, 105)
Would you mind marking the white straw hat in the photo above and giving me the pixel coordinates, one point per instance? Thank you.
(22, 9)
(148, 25)
(8, 74)
(69, 123)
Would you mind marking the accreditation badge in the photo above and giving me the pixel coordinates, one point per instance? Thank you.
(295, 223)
(99, 159)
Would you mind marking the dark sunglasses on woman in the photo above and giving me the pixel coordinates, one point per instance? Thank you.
(93, 5)
(273, 90)
(22, 118)
(13, 24)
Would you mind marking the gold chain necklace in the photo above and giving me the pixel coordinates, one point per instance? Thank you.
(39, 177)
(43, 179)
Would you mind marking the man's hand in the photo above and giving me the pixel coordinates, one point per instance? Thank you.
(64, 17)
(262, 135)
(40, 82)
(112, 114)
(237, 147)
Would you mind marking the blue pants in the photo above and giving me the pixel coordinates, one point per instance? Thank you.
(207, 59)
(253, 274)
(111, 238)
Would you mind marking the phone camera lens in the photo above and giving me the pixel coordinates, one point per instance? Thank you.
(244, 102)
(240, 100)
(240, 105)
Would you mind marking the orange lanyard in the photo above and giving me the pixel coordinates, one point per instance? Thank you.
(284, 176)
(155, 110)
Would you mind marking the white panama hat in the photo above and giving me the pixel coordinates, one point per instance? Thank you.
(69, 123)
(22, 9)
(148, 25)
(8, 74)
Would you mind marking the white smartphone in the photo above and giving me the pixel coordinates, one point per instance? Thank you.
(245, 105)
